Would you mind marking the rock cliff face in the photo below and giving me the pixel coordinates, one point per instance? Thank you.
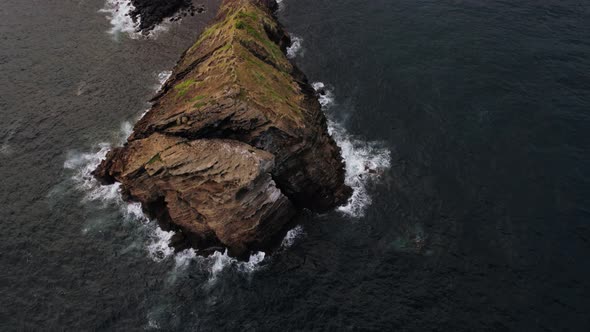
(235, 143)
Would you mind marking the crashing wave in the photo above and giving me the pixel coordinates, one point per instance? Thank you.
(218, 262)
(82, 165)
(365, 161)
(118, 15)
(296, 48)
(162, 78)
(292, 236)
(118, 12)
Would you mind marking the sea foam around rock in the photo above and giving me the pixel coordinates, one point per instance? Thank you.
(118, 14)
(365, 161)
(292, 236)
(154, 240)
(296, 48)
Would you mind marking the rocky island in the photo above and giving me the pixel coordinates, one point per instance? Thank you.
(235, 143)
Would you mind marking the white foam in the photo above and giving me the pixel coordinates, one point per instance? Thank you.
(83, 164)
(156, 242)
(158, 248)
(143, 114)
(214, 265)
(182, 259)
(291, 236)
(253, 262)
(365, 161)
(135, 211)
(118, 15)
(218, 262)
(126, 130)
(326, 96)
(162, 78)
(162, 27)
(296, 48)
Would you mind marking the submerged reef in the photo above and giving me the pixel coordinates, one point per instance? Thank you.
(235, 144)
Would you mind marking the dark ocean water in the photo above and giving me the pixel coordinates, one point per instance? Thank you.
(474, 113)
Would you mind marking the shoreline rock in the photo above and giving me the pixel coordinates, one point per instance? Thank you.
(152, 12)
(235, 143)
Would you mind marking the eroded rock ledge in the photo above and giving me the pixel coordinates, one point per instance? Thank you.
(235, 143)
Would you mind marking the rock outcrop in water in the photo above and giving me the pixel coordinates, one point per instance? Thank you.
(149, 13)
(235, 142)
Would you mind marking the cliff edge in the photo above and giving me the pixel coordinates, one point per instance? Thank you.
(235, 142)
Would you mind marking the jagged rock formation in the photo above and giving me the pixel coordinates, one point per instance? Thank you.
(235, 141)
(149, 13)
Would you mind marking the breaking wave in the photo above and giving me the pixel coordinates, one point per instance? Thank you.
(365, 161)
(162, 78)
(218, 262)
(292, 236)
(82, 165)
(296, 48)
(118, 14)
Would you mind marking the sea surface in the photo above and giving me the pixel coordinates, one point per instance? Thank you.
(465, 125)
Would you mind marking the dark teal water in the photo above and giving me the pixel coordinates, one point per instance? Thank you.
(474, 114)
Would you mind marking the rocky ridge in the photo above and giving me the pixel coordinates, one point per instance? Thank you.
(235, 143)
